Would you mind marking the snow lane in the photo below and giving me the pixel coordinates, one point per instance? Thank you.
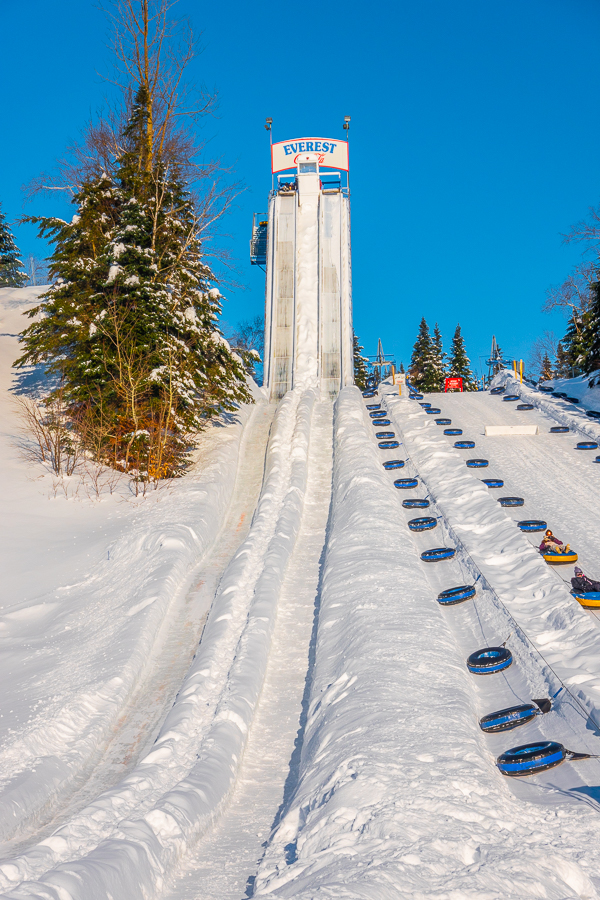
(177, 791)
(398, 795)
(223, 864)
(154, 696)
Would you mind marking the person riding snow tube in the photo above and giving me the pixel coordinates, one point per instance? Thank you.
(552, 544)
(582, 584)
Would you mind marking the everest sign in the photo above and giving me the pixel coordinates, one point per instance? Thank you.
(332, 154)
(453, 384)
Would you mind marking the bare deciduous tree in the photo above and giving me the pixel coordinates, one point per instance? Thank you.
(573, 295)
(543, 346)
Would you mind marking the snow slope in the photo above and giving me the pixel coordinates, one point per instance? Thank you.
(398, 794)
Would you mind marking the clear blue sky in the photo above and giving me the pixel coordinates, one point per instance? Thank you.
(474, 140)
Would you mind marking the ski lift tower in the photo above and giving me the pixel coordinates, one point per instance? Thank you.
(379, 362)
(308, 297)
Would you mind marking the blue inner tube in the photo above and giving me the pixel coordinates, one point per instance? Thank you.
(394, 464)
(415, 504)
(368, 394)
(377, 413)
(452, 432)
(597, 459)
(559, 394)
(511, 397)
(572, 399)
(457, 594)
(532, 525)
(531, 758)
(416, 396)
(384, 435)
(545, 389)
(511, 501)
(423, 523)
(497, 390)
(406, 483)
(388, 445)
(489, 660)
(438, 553)
(477, 463)
(464, 445)
(373, 405)
(525, 406)
(443, 421)
(493, 482)
(433, 411)
(593, 414)
(559, 429)
(425, 405)
(587, 445)
(507, 719)
(379, 422)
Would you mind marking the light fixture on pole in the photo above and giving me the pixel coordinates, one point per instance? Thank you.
(268, 125)
(347, 130)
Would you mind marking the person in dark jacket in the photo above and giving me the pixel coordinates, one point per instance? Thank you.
(582, 584)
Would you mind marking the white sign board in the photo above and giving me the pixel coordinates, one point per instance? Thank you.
(511, 429)
(331, 154)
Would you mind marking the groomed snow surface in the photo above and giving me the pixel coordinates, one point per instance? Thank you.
(243, 685)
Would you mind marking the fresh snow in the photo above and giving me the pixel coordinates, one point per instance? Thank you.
(242, 684)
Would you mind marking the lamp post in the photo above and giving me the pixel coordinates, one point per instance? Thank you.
(268, 125)
(347, 130)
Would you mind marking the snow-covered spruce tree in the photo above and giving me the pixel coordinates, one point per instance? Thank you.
(562, 367)
(138, 347)
(11, 267)
(592, 331)
(577, 342)
(360, 365)
(420, 355)
(459, 364)
(438, 361)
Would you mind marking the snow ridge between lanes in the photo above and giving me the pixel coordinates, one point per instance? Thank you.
(398, 795)
(192, 768)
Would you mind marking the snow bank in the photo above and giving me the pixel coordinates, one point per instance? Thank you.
(398, 795)
(133, 835)
(564, 412)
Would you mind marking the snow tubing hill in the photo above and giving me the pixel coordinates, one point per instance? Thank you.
(456, 594)
(528, 759)
(489, 660)
(394, 464)
(423, 523)
(437, 554)
(560, 559)
(415, 504)
(591, 599)
(404, 484)
(507, 719)
(532, 525)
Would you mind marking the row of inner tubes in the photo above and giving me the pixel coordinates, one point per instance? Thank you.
(555, 429)
(526, 759)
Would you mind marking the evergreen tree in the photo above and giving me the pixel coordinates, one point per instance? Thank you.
(131, 321)
(401, 369)
(459, 365)
(577, 342)
(421, 354)
(591, 361)
(546, 372)
(11, 267)
(438, 361)
(360, 365)
(563, 366)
